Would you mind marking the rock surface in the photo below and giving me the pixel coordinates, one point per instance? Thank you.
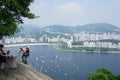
(16, 70)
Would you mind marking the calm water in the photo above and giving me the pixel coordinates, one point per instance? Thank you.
(62, 65)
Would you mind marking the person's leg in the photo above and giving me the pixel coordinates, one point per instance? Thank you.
(3, 61)
(0, 61)
(23, 58)
(26, 60)
(2, 65)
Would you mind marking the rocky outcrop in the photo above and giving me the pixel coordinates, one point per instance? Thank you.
(14, 69)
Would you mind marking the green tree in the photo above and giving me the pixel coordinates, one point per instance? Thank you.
(103, 74)
(11, 14)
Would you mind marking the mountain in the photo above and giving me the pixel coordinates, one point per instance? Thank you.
(58, 28)
(29, 31)
(98, 27)
(92, 28)
(36, 32)
(16, 70)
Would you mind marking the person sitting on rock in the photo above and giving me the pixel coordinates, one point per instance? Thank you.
(3, 56)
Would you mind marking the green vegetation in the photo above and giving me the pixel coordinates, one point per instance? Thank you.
(11, 14)
(77, 43)
(103, 74)
(88, 49)
(91, 49)
(110, 40)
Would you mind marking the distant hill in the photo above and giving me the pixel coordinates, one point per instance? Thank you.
(36, 31)
(92, 28)
(58, 28)
(98, 27)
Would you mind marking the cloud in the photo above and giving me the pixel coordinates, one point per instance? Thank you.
(70, 13)
(71, 7)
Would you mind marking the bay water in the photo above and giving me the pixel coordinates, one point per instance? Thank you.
(67, 65)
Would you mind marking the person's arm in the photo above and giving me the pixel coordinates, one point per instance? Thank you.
(1, 53)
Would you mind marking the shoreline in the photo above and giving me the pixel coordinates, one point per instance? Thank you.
(27, 44)
(109, 52)
(56, 47)
(98, 52)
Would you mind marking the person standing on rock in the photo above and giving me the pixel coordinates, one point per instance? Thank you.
(27, 52)
(22, 51)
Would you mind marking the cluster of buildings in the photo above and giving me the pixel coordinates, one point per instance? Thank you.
(94, 40)
(88, 40)
(101, 44)
(19, 39)
(85, 36)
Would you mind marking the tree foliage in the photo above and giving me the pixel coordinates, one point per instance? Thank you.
(11, 14)
(103, 74)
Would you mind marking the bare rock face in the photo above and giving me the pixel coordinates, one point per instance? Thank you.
(14, 69)
(11, 63)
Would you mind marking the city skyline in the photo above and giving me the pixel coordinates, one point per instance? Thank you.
(77, 12)
(83, 39)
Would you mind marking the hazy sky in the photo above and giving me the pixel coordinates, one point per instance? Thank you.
(75, 12)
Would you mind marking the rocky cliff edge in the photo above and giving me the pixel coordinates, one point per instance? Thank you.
(14, 69)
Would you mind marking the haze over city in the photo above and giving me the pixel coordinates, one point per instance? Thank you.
(60, 40)
(75, 12)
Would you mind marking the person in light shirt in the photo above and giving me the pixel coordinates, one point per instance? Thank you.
(22, 51)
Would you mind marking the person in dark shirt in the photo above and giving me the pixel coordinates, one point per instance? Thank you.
(3, 56)
(27, 53)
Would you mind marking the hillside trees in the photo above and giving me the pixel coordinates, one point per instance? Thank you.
(11, 14)
(103, 74)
